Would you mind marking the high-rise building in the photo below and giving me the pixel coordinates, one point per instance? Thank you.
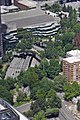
(71, 68)
(6, 2)
(8, 112)
(1, 41)
(2, 2)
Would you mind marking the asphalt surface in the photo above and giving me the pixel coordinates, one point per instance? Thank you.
(38, 48)
(24, 108)
(65, 113)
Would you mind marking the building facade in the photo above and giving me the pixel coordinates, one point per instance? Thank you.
(71, 68)
(77, 40)
(20, 5)
(6, 2)
(6, 112)
(1, 41)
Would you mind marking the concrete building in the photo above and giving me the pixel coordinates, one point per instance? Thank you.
(71, 68)
(7, 112)
(34, 18)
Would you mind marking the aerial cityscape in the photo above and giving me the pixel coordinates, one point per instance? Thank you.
(39, 59)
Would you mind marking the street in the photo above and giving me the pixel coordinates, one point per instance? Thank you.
(24, 108)
(65, 113)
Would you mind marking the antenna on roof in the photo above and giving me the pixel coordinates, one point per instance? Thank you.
(77, 54)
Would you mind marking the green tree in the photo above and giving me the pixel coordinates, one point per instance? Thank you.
(50, 113)
(67, 37)
(5, 94)
(68, 47)
(59, 83)
(38, 105)
(55, 7)
(28, 113)
(39, 116)
(40, 94)
(54, 68)
(76, 28)
(53, 102)
(44, 65)
(71, 90)
(28, 77)
(10, 83)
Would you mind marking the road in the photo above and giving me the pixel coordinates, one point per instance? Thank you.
(24, 108)
(38, 48)
(65, 113)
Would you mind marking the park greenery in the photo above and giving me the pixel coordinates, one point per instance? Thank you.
(44, 80)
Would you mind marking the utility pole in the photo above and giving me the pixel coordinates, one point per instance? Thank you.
(1, 40)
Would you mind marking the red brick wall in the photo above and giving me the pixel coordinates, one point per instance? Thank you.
(77, 40)
(21, 6)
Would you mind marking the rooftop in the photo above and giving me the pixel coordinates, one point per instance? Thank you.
(35, 3)
(72, 59)
(7, 112)
(22, 14)
(74, 5)
(28, 3)
(28, 18)
(74, 53)
(5, 9)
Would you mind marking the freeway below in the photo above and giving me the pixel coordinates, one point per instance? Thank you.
(24, 108)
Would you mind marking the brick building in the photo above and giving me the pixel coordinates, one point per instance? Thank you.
(71, 68)
(25, 4)
(77, 40)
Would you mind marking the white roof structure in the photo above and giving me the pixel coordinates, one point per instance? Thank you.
(22, 117)
(5, 9)
(2, 107)
(73, 53)
(72, 59)
(74, 5)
